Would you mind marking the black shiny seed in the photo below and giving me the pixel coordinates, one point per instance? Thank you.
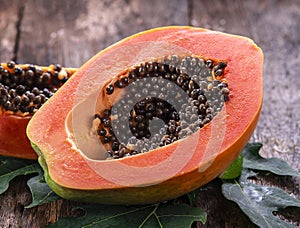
(109, 89)
(209, 63)
(132, 76)
(125, 80)
(141, 105)
(115, 146)
(3, 99)
(175, 116)
(195, 103)
(12, 93)
(37, 99)
(180, 80)
(140, 112)
(11, 64)
(139, 118)
(222, 85)
(46, 92)
(43, 97)
(3, 91)
(31, 109)
(222, 65)
(195, 93)
(7, 105)
(218, 72)
(225, 90)
(106, 123)
(167, 76)
(119, 84)
(32, 67)
(38, 71)
(25, 101)
(105, 139)
(202, 99)
(122, 152)
(57, 67)
(20, 89)
(36, 91)
(141, 126)
(149, 66)
(14, 78)
(172, 129)
(29, 95)
(29, 73)
(101, 132)
(106, 112)
(18, 71)
(24, 109)
(46, 76)
(174, 77)
(17, 100)
(226, 98)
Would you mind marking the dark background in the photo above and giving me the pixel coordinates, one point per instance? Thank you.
(70, 32)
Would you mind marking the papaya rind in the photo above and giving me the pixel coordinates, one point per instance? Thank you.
(170, 188)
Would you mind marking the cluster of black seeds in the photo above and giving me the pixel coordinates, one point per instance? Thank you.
(24, 88)
(162, 101)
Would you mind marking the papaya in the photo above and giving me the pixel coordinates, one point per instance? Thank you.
(23, 90)
(150, 118)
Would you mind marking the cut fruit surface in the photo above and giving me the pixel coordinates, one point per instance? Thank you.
(77, 144)
(24, 88)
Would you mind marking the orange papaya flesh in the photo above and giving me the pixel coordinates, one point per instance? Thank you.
(13, 119)
(74, 172)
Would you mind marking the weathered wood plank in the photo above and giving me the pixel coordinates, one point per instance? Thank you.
(71, 32)
(10, 12)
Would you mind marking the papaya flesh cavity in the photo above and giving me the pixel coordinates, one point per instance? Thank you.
(209, 90)
(24, 88)
(147, 94)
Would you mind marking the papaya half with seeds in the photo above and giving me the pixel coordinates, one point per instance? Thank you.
(23, 90)
(150, 118)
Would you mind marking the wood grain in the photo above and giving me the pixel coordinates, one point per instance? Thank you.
(10, 17)
(70, 32)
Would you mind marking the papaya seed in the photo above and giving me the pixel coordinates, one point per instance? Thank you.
(109, 89)
(11, 64)
(27, 87)
(192, 74)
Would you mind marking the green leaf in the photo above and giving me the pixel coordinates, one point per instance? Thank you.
(13, 167)
(252, 160)
(259, 202)
(40, 191)
(234, 170)
(156, 215)
(192, 196)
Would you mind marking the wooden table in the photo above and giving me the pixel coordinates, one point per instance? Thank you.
(69, 32)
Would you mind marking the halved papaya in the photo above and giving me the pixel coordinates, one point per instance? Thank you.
(84, 155)
(23, 89)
